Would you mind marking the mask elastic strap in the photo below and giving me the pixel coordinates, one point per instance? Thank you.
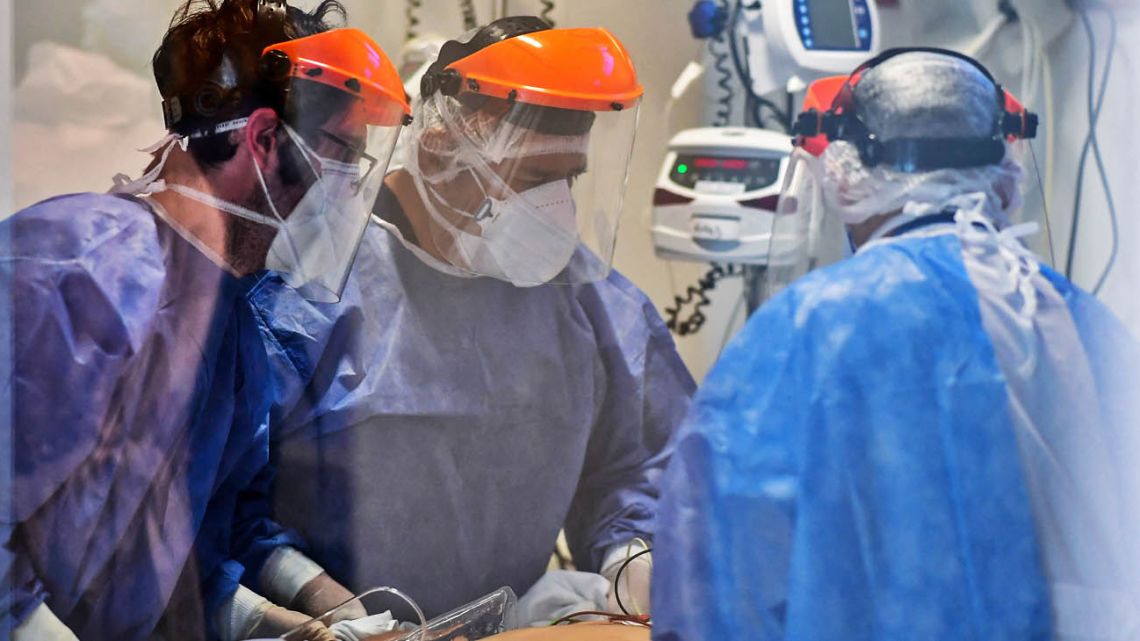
(123, 183)
(265, 190)
(219, 204)
(269, 198)
(305, 151)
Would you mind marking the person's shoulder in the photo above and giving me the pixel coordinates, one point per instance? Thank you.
(886, 276)
(92, 255)
(621, 299)
(616, 285)
(75, 225)
(895, 293)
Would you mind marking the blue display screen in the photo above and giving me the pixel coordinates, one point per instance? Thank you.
(834, 25)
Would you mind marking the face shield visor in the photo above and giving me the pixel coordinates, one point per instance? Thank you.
(521, 157)
(805, 235)
(346, 105)
(936, 152)
(341, 110)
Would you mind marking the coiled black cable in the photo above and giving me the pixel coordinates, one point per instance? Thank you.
(697, 296)
(547, 11)
(724, 76)
(470, 19)
(411, 9)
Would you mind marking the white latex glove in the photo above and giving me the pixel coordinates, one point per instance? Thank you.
(557, 594)
(364, 628)
(635, 579)
(43, 625)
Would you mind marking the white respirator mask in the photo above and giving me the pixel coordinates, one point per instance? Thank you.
(315, 246)
(527, 239)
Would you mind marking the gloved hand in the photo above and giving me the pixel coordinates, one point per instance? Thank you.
(634, 582)
(291, 578)
(557, 594)
(322, 594)
(277, 621)
(364, 628)
(42, 625)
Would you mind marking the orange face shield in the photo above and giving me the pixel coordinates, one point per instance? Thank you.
(522, 142)
(348, 60)
(576, 69)
(347, 153)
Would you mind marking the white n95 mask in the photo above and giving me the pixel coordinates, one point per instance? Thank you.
(315, 247)
(527, 239)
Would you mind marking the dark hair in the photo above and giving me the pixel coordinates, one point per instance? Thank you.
(436, 77)
(207, 65)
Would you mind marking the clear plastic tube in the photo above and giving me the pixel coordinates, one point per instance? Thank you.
(296, 633)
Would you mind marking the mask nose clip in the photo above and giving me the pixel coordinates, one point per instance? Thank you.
(486, 210)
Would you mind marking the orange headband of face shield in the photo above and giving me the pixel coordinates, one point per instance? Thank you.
(828, 110)
(348, 60)
(578, 69)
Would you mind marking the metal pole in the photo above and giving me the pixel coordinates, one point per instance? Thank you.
(755, 287)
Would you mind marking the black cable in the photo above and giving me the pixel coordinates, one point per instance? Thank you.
(724, 83)
(410, 12)
(617, 579)
(1092, 144)
(547, 10)
(609, 616)
(1072, 249)
(1108, 197)
(752, 107)
(470, 19)
(754, 104)
(697, 296)
(746, 76)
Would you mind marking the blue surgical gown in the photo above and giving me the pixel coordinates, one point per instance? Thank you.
(435, 432)
(888, 452)
(138, 400)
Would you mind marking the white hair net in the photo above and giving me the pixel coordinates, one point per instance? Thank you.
(855, 192)
(931, 96)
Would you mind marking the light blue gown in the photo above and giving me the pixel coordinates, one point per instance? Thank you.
(139, 395)
(902, 447)
(435, 432)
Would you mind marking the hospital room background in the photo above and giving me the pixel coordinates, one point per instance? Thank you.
(77, 80)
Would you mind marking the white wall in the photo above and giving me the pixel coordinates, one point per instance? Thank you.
(6, 59)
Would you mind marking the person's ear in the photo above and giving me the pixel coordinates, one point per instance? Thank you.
(261, 138)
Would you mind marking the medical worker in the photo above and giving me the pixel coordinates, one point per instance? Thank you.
(139, 385)
(487, 380)
(933, 439)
